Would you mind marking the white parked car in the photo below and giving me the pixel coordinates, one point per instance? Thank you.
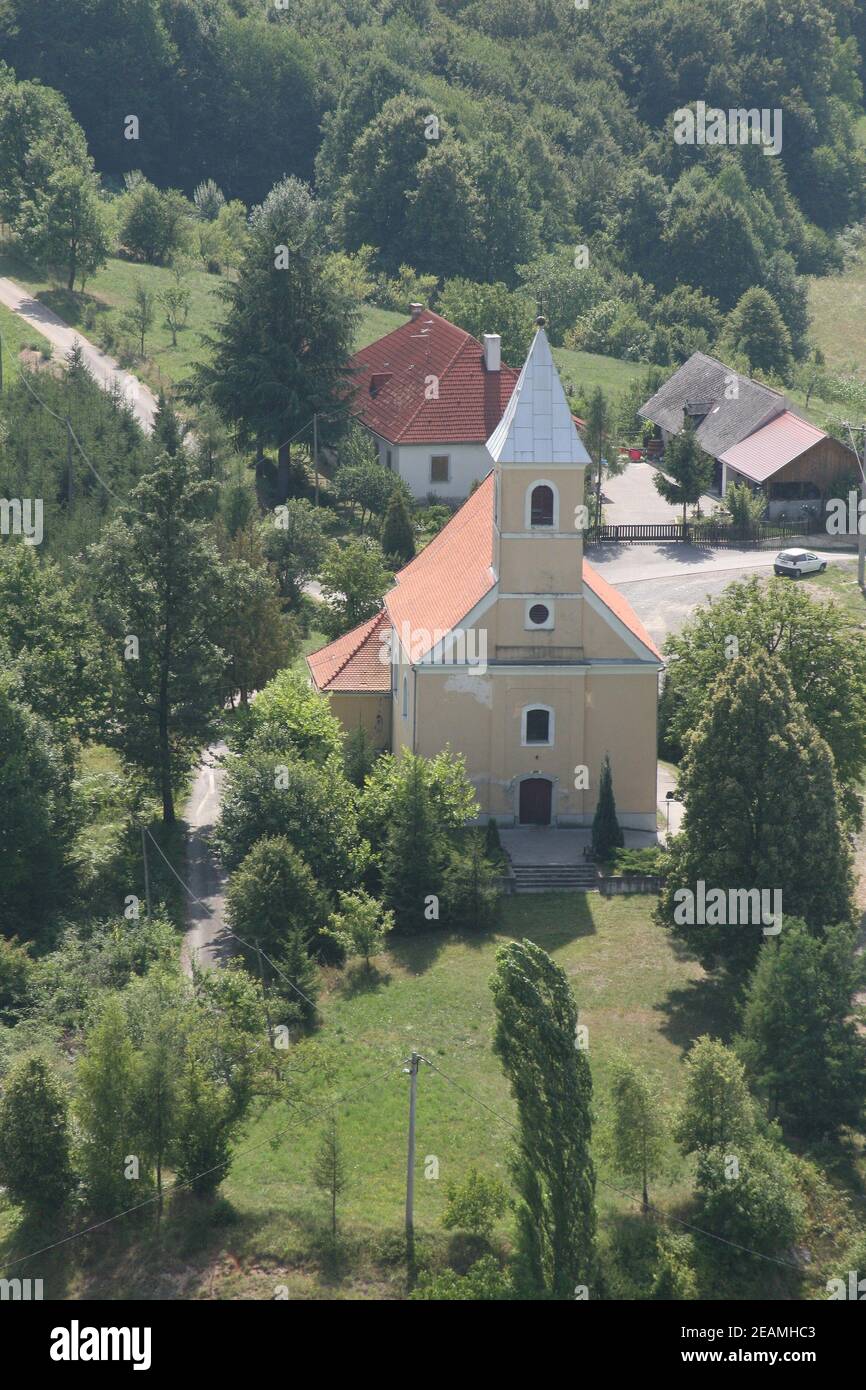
(797, 562)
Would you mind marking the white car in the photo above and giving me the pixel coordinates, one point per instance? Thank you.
(797, 562)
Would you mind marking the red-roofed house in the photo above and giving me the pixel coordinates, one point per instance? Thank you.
(431, 395)
(501, 642)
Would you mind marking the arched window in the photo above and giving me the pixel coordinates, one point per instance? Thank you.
(541, 505)
(405, 697)
(537, 725)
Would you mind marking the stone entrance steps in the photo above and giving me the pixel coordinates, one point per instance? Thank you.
(554, 878)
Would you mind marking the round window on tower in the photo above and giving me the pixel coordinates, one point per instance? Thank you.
(539, 614)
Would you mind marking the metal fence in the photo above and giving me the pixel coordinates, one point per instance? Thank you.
(694, 533)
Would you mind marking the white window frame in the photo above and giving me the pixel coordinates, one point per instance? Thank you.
(437, 482)
(527, 517)
(551, 726)
(549, 623)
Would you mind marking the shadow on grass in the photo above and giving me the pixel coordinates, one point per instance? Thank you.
(417, 951)
(550, 919)
(701, 1006)
(72, 306)
(358, 979)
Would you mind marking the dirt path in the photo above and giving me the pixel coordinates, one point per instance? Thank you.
(105, 369)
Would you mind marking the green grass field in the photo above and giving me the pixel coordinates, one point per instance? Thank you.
(837, 304)
(111, 291)
(15, 336)
(430, 993)
(839, 582)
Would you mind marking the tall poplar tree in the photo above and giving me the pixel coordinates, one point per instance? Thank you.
(536, 1040)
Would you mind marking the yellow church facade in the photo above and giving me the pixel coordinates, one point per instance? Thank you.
(500, 642)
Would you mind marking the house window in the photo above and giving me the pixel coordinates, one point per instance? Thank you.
(389, 459)
(405, 697)
(541, 505)
(537, 725)
(440, 468)
(539, 614)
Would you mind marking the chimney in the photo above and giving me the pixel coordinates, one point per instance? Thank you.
(492, 351)
(416, 310)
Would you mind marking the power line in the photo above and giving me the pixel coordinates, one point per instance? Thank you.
(67, 424)
(633, 1197)
(179, 1186)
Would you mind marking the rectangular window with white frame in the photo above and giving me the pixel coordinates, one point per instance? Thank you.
(440, 468)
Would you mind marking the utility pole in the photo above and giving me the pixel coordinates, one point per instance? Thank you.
(1, 364)
(412, 1070)
(146, 871)
(861, 512)
(265, 997)
(70, 481)
(316, 453)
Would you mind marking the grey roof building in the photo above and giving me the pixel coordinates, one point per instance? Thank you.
(725, 406)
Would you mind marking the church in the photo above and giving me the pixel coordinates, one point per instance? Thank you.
(500, 641)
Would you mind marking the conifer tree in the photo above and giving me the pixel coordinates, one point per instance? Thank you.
(413, 857)
(35, 1143)
(398, 537)
(606, 831)
(155, 573)
(801, 1047)
(329, 1170)
(688, 471)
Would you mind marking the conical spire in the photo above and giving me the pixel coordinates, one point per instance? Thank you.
(537, 426)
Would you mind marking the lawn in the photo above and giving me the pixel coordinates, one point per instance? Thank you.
(15, 335)
(111, 291)
(839, 582)
(583, 371)
(837, 304)
(429, 993)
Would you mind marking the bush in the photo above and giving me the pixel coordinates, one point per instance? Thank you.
(485, 1282)
(277, 793)
(35, 1143)
(493, 845)
(398, 537)
(761, 1208)
(639, 861)
(287, 714)
(476, 1204)
(273, 894)
(154, 225)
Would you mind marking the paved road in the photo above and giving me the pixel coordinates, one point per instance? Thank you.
(207, 939)
(105, 369)
(665, 583)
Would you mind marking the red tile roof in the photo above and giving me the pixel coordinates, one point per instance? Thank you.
(353, 663)
(440, 586)
(618, 605)
(391, 381)
(763, 453)
(433, 594)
